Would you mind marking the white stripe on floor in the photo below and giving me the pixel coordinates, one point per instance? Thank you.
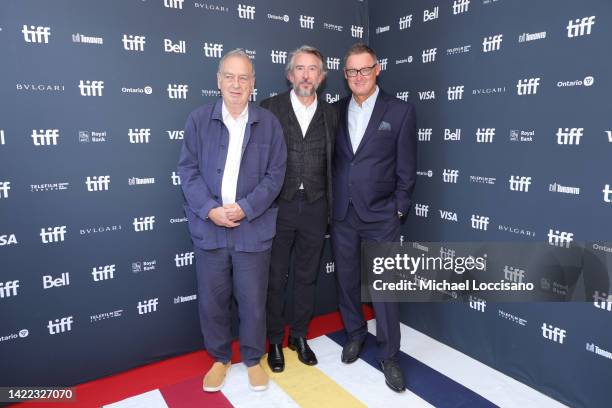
(493, 385)
(150, 399)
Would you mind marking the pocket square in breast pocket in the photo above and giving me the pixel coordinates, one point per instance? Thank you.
(384, 126)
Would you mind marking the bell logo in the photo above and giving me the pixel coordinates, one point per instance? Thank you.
(60, 325)
(178, 48)
(49, 282)
(52, 234)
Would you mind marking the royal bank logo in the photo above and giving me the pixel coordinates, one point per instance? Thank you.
(139, 181)
(5, 186)
(177, 91)
(144, 266)
(460, 6)
(86, 136)
(403, 95)
(180, 47)
(607, 194)
(452, 135)
(147, 306)
(569, 136)
(405, 22)
(45, 137)
(580, 26)
(307, 22)
(61, 325)
(522, 135)
(278, 57)
(431, 15)
(513, 274)
(483, 180)
(587, 81)
(477, 304)
(97, 183)
(284, 18)
(553, 333)
(519, 183)
(356, 31)
(527, 86)
(455, 93)
(528, 37)
(84, 39)
(427, 95)
(91, 88)
(429, 55)
(560, 238)
(134, 42)
(183, 259)
(174, 4)
(50, 282)
(479, 222)
(40, 87)
(382, 29)
(448, 215)
(9, 289)
(36, 34)
(51, 235)
(213, 50)
(333, 63)
(37, 188)
(246, 12)
(138, 136)
(558, 188)
(485, 135)
(450, 176)
(8, 239)
(103, 273)
(421, 210)
(492, 43)
(463, 49)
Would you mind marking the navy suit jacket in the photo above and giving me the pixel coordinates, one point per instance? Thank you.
(379, 177)
(262, 171)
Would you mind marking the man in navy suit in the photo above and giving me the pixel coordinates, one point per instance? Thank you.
(373, 178)
(232, 167)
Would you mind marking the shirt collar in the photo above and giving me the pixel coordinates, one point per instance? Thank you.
(368, 103)
(297, 105)
(228, 116)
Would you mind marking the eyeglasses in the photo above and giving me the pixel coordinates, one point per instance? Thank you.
(352, 72)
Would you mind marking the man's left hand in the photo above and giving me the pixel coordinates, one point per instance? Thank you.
(234, 212)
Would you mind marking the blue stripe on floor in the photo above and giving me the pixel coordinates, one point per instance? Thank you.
(429, 384)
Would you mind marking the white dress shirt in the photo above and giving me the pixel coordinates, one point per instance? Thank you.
(359, 117)
(304, 115)
(236, 129)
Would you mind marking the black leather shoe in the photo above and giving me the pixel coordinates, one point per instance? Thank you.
(276, 359)
(351, 351)
(394, 378)
(305, 354)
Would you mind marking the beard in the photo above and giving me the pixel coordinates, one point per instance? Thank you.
(304, 92)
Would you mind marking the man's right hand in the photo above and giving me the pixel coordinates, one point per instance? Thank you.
(218, 216)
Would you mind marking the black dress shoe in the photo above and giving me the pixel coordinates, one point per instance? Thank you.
(351, 351)
(276, 359)
(305, 354)
(394, 378)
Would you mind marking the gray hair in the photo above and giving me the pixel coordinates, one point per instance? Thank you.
(238, 52)
(306, 49)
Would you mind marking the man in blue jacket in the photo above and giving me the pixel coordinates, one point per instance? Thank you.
(373, 179)
(232, 167)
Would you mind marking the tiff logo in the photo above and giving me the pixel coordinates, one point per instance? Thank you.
(330, 267)
(52, 234)
(139, 135)
(528, 86)
(560, 239)
(2, 141)
(8, 289)
(213, 50)
(60, 325)
(424, 134)
(480, 222)
(278, 57)
(553, 333)
(460, 6)
(579, 26)
(147, 306)
(144, 223)
(431, 15)
(5, 186)
(607, 194)
(492, 43)
(177, 91)
(521, 183)
(253, 96)
(603, 301)
(485, 135)
(333, 63)
(307, 22)
(452, 136)
(246, 12)
(46, 137)
(133, 42)
(356, 31)
(478, 304)
(405, 22)
(97, 183)
(176, 4)
(450, 176)
(429, 55)
(91, 88)
(421, 210)
(383, 64)
(36, 34)
(178, 48)
(569, 136)
(176, 179)
(103, 273)
(183, 259)
(455, 93)
(404, 95)
(513, 274)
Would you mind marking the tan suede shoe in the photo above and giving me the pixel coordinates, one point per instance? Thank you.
(258, 379)
(215, 377)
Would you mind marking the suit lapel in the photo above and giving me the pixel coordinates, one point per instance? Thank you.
(379, 110)
(344, 122)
